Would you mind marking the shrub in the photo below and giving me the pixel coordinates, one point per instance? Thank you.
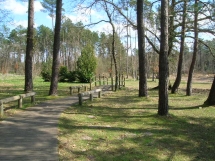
(84, 78)
(72, 76)
(63, 74)
(46, 71)
(46, 76)
(86, 64)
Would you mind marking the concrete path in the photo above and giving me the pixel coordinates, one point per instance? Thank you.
(32, 135)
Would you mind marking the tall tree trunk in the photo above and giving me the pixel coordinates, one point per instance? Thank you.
(56, 49)
(114, 60)
(195, 50)
(29, 48)
(141, 50)
(211, 98)
(114, 57)
(181, 54)
(171, 31)
(127, 70)
(113, 45)
(163, 105)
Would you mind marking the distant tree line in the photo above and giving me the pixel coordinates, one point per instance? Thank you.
(73, 39)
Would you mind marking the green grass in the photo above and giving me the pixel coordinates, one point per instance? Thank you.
(123, 127)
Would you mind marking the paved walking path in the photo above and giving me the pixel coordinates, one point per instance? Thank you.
(32, 135)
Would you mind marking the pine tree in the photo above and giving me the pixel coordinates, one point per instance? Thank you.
(29, 48)
(50, 7)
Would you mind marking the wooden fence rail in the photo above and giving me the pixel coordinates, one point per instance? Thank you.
(89, 93)
(72, 88)
(18, 98)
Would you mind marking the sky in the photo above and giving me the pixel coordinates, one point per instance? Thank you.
(18, 12)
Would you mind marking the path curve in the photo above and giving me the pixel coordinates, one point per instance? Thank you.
(32, 135)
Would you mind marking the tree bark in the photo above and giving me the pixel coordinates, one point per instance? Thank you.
(211, 97)
(56, 49)
(181, 54)
(163, 106)
(195, 50)
(29, 48)
(141, 51)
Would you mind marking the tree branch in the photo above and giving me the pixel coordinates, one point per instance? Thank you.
(203, 43)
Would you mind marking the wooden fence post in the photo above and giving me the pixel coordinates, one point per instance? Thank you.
(99, 94)
(2, 108)
(95, 81)
(123, 78)
(20, 102)
(91, 97)
(99, 80)
(111, 83)
(70, 89)
(103, 77)
(33, 99)
(80, 98)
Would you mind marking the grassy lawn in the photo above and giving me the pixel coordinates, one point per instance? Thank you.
(123, 127)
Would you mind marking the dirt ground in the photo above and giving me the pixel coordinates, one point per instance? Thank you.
(200, 78)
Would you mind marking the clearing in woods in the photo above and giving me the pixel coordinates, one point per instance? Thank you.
(122, 126)
(119, 126)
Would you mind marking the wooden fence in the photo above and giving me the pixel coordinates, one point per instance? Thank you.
(90, 94)
(102, 80)
(18, 98)
(78, 88)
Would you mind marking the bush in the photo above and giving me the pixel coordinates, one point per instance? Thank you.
(84, 78)
(46, 71)
(46, 76)
(72, 76)
(63, 74)
(86, 64)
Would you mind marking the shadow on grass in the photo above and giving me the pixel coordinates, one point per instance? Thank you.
(189, 107)
(138, 133)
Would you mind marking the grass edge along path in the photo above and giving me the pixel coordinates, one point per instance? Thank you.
(32, 134)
